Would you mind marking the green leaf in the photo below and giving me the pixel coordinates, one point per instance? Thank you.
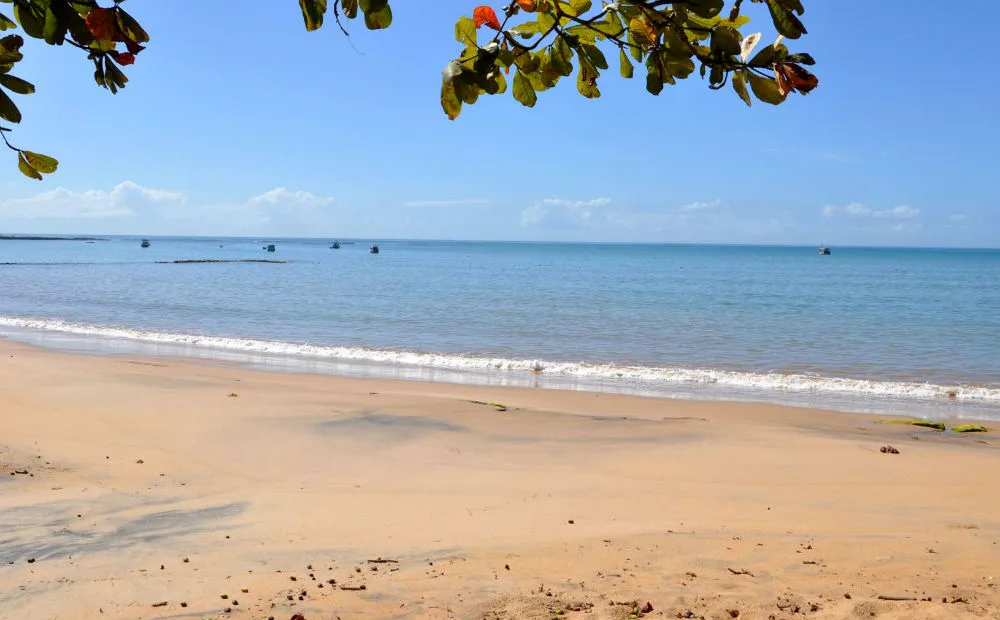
(580, 6)
(611, 26)
(41, 163)
(586, 77)
(10, 52)
(527, 62)
(785, 21)
(582, 33)
(99, 74)
(134, 31)
(763, 58)
(6, 23)
(595, 55)
(654, 75)
(378, 20)
(312, 13)
(525, 30)
(465, 88)
(8, 111)
(465, 31)
(802, 59)
(16, 85)
(31, 22)
(523, 91)
(793, 5)
(561, 57)
(350, 8)
(716, 76)
(450, 102)
(545, 22)
(634, 47)
(739, 81)
(54, 29)
(114, 79)
(26, 169)
(726, 40)
(765, 89)
(626, 70)
(706, 8)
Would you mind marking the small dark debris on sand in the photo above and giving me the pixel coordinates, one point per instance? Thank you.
(888, 450)
(497, 406)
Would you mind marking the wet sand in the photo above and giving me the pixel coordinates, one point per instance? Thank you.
(167, 488)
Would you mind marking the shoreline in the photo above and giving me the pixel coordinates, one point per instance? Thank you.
(160, 480)
(842, 394)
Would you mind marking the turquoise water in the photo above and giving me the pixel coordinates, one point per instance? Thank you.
(888, 328)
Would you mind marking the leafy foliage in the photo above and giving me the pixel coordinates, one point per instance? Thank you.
(541, 41)
(555, 38)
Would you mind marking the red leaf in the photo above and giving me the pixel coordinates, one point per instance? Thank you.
(784, 87)
(800, 79)
(485, 15)
(103, 24)
(133, 47)
(526, 5)
(126, 58)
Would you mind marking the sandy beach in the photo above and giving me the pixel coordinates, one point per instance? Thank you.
(164, 488)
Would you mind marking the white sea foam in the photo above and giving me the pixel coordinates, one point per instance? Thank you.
(792, 383)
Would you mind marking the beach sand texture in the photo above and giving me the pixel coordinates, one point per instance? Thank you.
(164, 488)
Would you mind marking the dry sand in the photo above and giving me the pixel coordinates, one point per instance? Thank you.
(164, 488)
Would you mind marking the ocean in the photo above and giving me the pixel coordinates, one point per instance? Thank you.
(914, 331)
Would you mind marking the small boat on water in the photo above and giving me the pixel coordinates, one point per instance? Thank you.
(145, 243)
(270, 247)
(374, 249)
(824, 251)
(335, 246)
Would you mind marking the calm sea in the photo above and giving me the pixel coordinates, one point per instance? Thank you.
(870, 329)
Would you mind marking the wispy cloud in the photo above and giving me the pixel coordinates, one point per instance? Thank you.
(576, 204)
(561, 212)
(129, 208)
(901, 212)
(958, 217)
(460, 202)
(699, 206)
(857, 209)
(282, 196)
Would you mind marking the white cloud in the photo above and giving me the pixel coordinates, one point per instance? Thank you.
(699, 206)
(282, 196)
(126, 199)
(562, 213)
(958, 217)
(129, 208)
(900, 212)
(857, 209)
(467, 202)
(576, 204)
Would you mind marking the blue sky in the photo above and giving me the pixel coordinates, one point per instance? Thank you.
(239, 122)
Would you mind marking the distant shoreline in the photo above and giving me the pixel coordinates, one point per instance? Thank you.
(41, 238)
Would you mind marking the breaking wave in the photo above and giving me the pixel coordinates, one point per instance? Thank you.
(771, 381)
